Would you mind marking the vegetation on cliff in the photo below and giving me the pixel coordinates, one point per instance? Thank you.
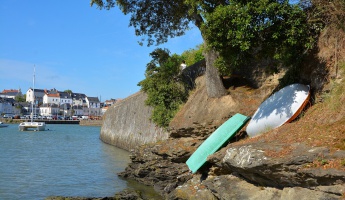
(164, 84)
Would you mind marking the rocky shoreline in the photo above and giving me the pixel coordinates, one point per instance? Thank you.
(276, 165)
(280, 164)
(245, 171)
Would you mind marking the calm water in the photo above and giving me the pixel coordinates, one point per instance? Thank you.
(66, 160)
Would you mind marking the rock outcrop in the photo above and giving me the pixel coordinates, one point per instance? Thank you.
(243, 169)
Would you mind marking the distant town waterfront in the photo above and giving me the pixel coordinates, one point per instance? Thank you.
(65, 160)
(51, 105)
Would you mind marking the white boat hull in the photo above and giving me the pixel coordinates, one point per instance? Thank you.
(280, 108)
(32, 126)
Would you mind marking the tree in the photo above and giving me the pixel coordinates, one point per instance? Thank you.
(20, 98)
(159, 20)
(68, 91)
(263, 29)
(164, 92)
(193, 56)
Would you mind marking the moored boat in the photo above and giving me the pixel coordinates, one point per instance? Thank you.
(2, 125)
(34, 126)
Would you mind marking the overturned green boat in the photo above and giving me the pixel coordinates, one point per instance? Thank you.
(216, 140)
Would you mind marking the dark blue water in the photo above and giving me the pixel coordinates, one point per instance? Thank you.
(66, 160)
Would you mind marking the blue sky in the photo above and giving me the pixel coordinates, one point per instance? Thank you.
(74, 46)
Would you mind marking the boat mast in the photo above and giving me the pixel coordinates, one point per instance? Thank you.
(33, 98)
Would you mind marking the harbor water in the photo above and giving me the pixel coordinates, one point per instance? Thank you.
(64, 160)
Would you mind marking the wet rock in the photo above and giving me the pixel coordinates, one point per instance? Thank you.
(128, 195)
(160, 165)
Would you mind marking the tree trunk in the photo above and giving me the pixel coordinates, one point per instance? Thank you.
(214, 84)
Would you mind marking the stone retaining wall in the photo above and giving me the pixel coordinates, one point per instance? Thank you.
(126, 124)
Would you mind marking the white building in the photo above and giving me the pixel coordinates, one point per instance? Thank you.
(94, 106)
(39, 93)
(49, 109)
(51, 98)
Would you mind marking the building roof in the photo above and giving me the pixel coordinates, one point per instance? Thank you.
(10, 91)
(93, 99)
(53, 95)
(38, 90)
(65, 95)
(78, 96)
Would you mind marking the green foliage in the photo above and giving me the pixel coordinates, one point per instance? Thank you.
(68, 91)
(165, 93)
(322, 161)
(223, 67)
(20, 98)
(245, 30)
(156, 20)
(192, 56)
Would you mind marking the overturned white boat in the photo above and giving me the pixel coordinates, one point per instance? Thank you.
(32, 126)
(280, 108)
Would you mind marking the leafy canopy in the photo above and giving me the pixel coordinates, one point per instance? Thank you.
(242, 31)
(21, 98)
(157, 20)
(193, 56)
(239, 30)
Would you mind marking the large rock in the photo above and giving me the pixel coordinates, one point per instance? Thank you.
(254, 163)
(226, 187)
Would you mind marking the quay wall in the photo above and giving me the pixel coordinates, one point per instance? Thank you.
(127, 124)
(90, 122)
(18, 121)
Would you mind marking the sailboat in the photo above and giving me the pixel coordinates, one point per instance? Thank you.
(34, 126)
